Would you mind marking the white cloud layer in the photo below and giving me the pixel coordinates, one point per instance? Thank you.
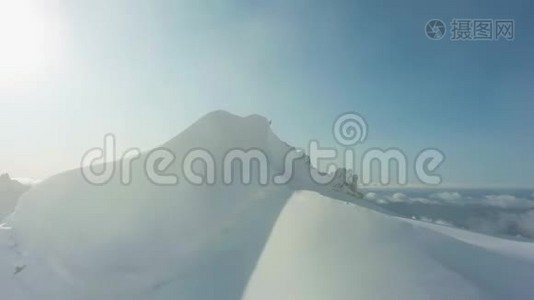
(503, 214)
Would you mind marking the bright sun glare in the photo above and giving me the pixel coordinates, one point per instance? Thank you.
(28, 39)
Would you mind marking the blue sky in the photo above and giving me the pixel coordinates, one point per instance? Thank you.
(145, 70)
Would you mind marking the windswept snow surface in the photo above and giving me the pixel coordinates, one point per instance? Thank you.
(72, 240)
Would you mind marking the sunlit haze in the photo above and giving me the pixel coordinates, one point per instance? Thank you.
(73, 71)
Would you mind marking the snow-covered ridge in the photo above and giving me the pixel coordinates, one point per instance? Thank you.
(220, 131)
(77, 231)
(69, 239)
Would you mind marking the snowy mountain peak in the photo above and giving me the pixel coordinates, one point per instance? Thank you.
(182, 222)
(220, 131)
(225, 120)
(227, 117)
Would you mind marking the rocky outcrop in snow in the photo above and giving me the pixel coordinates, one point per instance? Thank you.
(10, 191)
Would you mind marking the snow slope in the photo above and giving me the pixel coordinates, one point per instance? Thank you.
(325, 249)
(69, 239)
